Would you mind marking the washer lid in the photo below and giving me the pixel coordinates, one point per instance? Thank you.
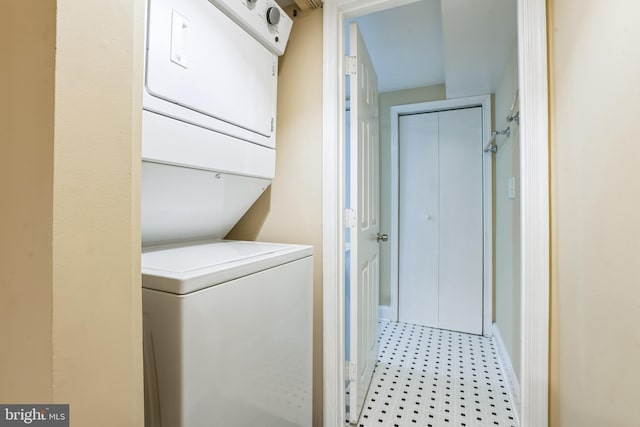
(185, 268)
(195, 257)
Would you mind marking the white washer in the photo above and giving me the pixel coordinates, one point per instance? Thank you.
(228, 334)
(227, 325)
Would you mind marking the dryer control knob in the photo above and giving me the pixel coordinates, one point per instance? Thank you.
(273, 15)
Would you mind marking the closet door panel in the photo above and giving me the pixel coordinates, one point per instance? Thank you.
(461, 222)
(418, 219)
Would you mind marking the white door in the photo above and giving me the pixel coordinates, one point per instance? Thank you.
(364, 223)
(441, 220)
(418, 216)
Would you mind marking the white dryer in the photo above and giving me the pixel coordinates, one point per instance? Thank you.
(227, 325)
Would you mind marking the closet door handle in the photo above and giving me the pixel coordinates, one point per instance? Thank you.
(383, 237)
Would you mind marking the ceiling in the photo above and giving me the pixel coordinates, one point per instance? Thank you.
(405, 45)
(461, 43)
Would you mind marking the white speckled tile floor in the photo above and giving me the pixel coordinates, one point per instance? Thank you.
(435, 378)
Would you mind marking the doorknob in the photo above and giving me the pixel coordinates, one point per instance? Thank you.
(383, 237)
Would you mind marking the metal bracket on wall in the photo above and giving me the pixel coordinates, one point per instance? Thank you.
(506, 132)
(492, 148)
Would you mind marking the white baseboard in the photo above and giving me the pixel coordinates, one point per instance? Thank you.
(513, 386)
(385, 312)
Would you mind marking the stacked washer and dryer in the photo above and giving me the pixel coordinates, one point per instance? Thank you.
(227, 325)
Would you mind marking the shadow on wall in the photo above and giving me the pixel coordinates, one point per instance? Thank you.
(249, 226)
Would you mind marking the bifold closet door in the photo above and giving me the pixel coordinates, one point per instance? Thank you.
(418, 216)
(440, 220)
(461, 222)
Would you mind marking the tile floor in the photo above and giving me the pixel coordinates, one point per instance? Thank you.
(435, 378)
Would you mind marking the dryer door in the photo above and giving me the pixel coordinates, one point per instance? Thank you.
(199, 58)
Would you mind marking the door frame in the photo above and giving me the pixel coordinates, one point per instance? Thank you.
(534, 190)
(487, 194)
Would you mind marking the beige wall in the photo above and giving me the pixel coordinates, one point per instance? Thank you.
(387, 100)
(27, 40)
(97, 351)
(290, 211)
(72, 304)
(595, 199)
(507, 216)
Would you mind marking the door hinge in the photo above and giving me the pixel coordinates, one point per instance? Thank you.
(351, 66)
(350, 371)
(273, 68)
(272, 124)
(350, 218)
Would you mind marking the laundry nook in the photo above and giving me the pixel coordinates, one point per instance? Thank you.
(319, 213)
(227, 325)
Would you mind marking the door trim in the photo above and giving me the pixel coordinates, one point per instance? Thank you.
(487, 195)
(534, 190)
